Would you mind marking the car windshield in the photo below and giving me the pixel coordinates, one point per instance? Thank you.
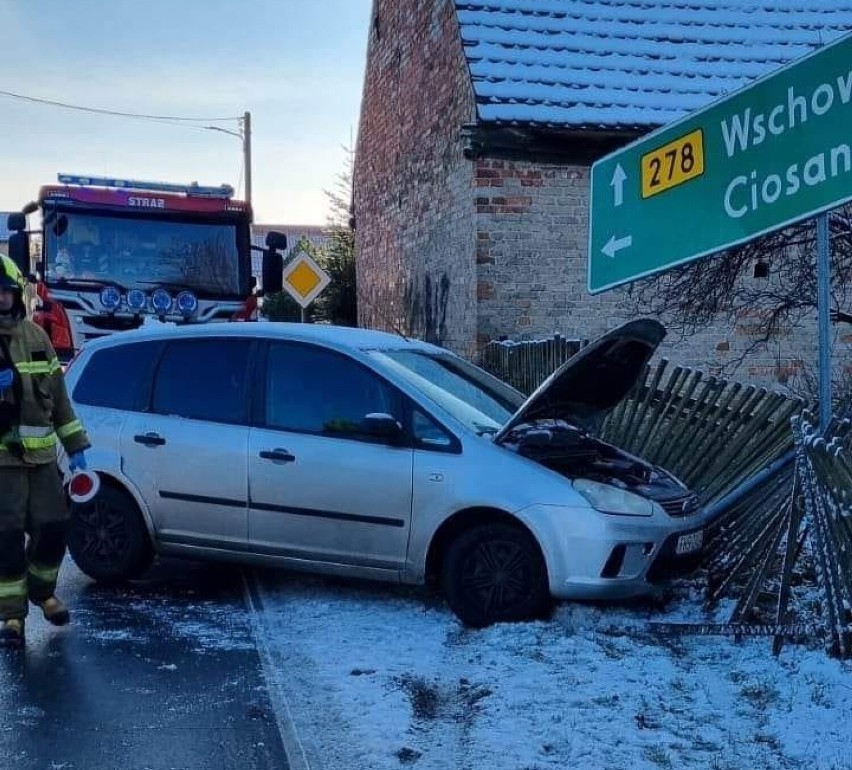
(131, 251)
(468, 393)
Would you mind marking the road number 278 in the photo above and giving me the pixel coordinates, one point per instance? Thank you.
(673, 163)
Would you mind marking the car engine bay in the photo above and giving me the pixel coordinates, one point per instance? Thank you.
(575, 453)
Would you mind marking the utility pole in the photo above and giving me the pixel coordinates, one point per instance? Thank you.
(244, 135)
(247, 153)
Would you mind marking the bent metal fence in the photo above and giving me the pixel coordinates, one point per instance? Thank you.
(824, 476)
(779, 492)
(780, 543)
(788, 557)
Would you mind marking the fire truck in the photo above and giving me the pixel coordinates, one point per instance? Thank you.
(118, 252)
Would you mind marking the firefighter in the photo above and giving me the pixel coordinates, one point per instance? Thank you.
(35, 415)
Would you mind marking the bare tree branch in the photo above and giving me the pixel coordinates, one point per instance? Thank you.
(725, 287)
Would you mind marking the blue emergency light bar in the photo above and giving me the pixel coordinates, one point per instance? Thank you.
(193, 189)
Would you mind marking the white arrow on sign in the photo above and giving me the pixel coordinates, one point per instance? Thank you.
(614, 245)
(617, 184)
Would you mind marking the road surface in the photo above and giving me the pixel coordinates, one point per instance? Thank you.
(163, 674)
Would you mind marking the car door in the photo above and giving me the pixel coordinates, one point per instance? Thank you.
(110, 388)
(188, 451)
(324, 493)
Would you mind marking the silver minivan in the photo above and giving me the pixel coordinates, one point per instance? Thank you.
(358, 453)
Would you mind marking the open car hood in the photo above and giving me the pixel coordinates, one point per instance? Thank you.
(593, 380)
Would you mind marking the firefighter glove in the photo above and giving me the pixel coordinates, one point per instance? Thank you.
(77, 461)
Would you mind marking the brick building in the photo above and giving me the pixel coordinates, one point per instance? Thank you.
(479, 123)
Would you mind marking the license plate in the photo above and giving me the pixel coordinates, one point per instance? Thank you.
(689, 542)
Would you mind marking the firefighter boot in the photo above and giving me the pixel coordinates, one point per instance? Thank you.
(55, 612)
(12, 633)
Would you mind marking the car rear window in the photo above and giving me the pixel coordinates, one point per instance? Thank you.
(204, 380)
(117, 377)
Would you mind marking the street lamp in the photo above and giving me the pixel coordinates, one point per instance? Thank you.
(244, 135)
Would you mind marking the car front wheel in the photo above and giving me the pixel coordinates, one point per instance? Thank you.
(108, 539)
(495, 573)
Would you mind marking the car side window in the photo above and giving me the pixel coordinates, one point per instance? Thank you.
(313, 390)
(118, 377)
(428, 434)
(204, 379)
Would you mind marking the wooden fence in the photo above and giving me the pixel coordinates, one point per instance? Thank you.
(782, 489)
(525, 365)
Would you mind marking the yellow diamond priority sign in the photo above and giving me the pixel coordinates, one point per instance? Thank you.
(304, 279)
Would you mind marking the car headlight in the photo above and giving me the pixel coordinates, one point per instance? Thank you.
(609, 499)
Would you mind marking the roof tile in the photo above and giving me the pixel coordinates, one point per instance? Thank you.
(630, 63)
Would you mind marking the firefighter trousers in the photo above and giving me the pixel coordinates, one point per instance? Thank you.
(34, 520)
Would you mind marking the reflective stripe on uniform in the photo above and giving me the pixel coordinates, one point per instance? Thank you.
(69, 429)
(34, 431)
(44, 574)
(12, 589)
(45, 439)
(39, 443)
(39, 367)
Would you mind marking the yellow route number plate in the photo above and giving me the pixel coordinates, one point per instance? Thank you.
(673, 164)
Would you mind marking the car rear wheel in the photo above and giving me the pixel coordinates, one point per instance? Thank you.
(108, 539)
(495, 573)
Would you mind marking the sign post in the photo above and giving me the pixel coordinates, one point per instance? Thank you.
(824, 291)
(769, 155)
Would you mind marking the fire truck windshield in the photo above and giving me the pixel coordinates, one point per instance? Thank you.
(132, 251)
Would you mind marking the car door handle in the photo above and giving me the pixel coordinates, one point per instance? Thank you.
(278, 455)
(149, 439)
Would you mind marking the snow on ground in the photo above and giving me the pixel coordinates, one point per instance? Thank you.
(386, 678)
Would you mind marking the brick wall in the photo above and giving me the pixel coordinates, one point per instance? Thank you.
(531, 261)
(461, 251)
(413, 209)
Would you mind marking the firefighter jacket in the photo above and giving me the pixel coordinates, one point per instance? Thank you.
(44, 413)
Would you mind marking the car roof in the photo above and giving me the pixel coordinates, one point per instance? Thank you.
(335, 336)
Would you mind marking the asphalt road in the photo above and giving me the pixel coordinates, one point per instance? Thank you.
(162, 674)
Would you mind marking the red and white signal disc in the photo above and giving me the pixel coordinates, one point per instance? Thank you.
(83, 486)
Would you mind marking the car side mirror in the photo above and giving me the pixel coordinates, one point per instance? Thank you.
(276, 241)
(273, 272)
(19, 251)
(16, 221)
(382, 425)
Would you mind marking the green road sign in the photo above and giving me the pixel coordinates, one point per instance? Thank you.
(775, 152)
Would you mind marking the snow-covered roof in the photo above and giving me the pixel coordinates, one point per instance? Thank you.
(630, 63)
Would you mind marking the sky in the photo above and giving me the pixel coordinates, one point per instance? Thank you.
(296, 65)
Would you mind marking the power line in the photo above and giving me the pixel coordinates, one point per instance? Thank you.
(115, 113)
